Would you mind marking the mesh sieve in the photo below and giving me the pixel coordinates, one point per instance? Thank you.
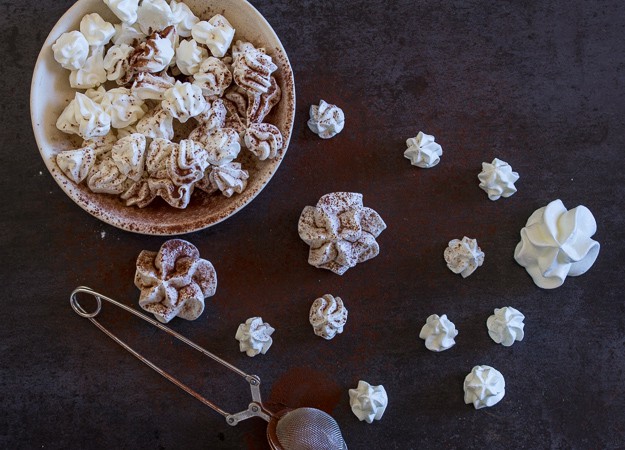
(309, 429)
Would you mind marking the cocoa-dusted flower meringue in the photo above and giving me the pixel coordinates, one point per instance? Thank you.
(116, 61)
(463, 256)
(497, 179)
(101, 144)
(175, 281)
(213, 116)
(189, 56)
(84, 117)
(556, 243)
(216, 34)
(187, 163)
(484, 386)
(326, 120)
(328, 316)
(125, 10)
(123, 107)
(92, 73)
(76, 164)
(213, 77)
(106, 178)
(96, 30)
(439, 333)
(423, 151)
(264, 140)
(153, 55)
(154, 15)
(157, 123)
(252, 67)
(183, 18)
(129, 155)
(368, 402)
(221, 144)
(184, 101)
(148, 86)
(127, 34)
(341, 232)
(254, 336)
(228, 178)
(71, 50)
(506, 326)
(258, 106)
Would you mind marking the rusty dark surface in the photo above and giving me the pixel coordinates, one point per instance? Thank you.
(540, 85)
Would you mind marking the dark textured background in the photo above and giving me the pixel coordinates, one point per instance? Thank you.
(540, 85)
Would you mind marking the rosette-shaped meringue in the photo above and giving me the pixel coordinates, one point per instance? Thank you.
(154, 15)
(341, 232)
(116, 61)
(92, 73)
(153, 55)
(84, 117)
(216, 34)
(184, 101)
(125, 10)
(368, 402)
(484, 386)
(96, 94)
(127, 34)
(175, 281)
(157, 157)
(497, 179)
(183, 18)
(106, 178)
(463, 256)
(76, 164)
(254, 336)
(189, 56)
(556, 243)
(129, 155)
(157, 123)
(221, 144)
(258, 106)
(96, 30)
(328, 316)
(176, 196)
(228, 178)
(252, 67)
(423, 151)
(237, 97)
(213, 116)
(213, 77)
(326, 120)
(187, 163)
(151, 87)
(71, 50)
(123, 107)
(438, 333)
(101, 144)
(138, 194)
(264, 140)
(506, 326)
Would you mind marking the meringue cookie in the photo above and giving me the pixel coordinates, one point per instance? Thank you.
(175, 281)
(423, 151)
(326, 120)
(96, 30)
(340, 231)
(213, 116)
(252, 68)
(228, 178)
(157, 123)
(138, 194)
(84, 117)
(556, 243)
(254, 336)
(151, 87)
(497, 179)
(176, 196)
(264, 140)
(106, 178)
(222, 144)
(259, 106)
(216, 34)
(101, 144)
(368, 402)
(484, 387)
(189, 56)
(506, 326)
(183, 18)
(127, 34)
(328, 316)
(76, 164)
(71, 50)
(92, 74)
(116, 61)
(154, 15)
(129, 155)
(186, 163)
(184, 101)
(438, 333)
(153, 55)
(157, 156)
(96, 94)
(213, 77)
(123, 107)
(125, 10)
(463, 256)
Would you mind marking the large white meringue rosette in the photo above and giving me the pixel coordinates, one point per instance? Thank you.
(506, 325)
(340, 231)
(483, 387)
(438, 333)
(497, 179)
(556, 243)
(368, 402)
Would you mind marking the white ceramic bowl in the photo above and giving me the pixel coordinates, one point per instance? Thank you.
(51, 92)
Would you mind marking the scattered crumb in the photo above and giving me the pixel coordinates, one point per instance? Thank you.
(102, 234)
(40, 172)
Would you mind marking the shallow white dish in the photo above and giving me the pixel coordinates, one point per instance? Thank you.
(51, 92)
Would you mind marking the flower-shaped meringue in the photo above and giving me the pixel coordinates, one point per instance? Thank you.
(189, 56)
(106, 178)
(463, 256)
(264, 140)
(127, 34)
(368, 402)
(92, 73)
(76, 164)
(228, 178)
(153, 55)
(556, 243)
(423, 151)
(216, 34)
(96, 30)
(183, 18)
(184, 101)
(129, 155)
(175, 281)
(221, 144)
(123, 107)
(148, 86)
(326, 120)
(341, 232)
(497, 179)
(438, 333)
(154, 15)
(252, 68)
(116, 61)
(484, 386)
(125, 10)
(506, 326)
(254, 336)
(84, 117)
(71, 50)
(212, 76)
(213, 116)
(157, 123)
(328, 316)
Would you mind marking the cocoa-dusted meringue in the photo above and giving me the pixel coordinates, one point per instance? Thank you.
(213, 77)
(497, 179)
(423, 151)
(127, 131)
(129, 155)
(116, 61)
(124, 108)
(101, 144)
(183, 18)
(368, 402)
(125, 10)
(176, 196)
(213, 116)
(229, 179)
(236, 98)
(556, 243)
(264, 140)
(252, 67)
(84, 117)
(328, 316)
(138, 194)
(106, 178)
(484, 386)
(216, 34)
(463, 256)
(340, 231)
(154, 15)
(153, 55)
(157, 123)
(254, 336)
(76, 164)
(71, 50)
(506, 326)
(127, 34)
(96, 30)
(184, 101)
(157, 157)
(189, 56)
(439, 333)
(258, 106)
(221, 144)
(149, 86)
(186, 163)
(175, 281)
(92, 73)
(326, 120)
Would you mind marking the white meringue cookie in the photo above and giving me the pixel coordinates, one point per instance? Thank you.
(116, 61)
(71, 50)
(556, 243)
(497, 179)
(84, 117)
(228, 178)
(463, 256)
(148, 86)
(439, 333)
(106, 178)
(213, 77)
(76, 164)
(484, 386)
(252, 68)
(264, 140)
(123, 107)
(153, 55)
(127, 34)
(506, 326)
(129, 155)
(326, 120)
(154, 15)
(96, 94)
(96, 30)
(423, 151)
(222, 144)
(216, 34)
(184, 101)
(183, 18)
(125, 10)
(92, 74)
(157, 123)
(254, 336)
(368, 402)
(328, 316)
(189, 56)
